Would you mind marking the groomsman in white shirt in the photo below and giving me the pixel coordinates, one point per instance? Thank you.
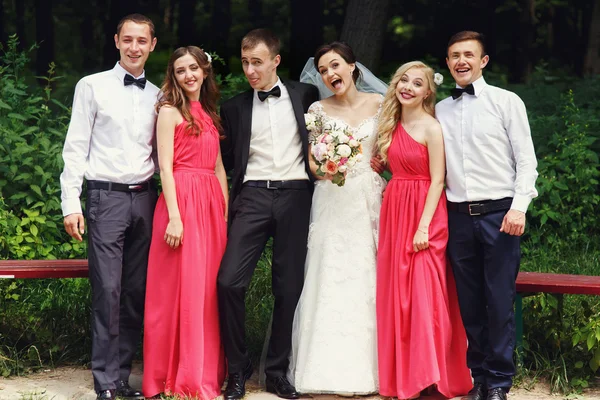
(491, 173)
(110, 144)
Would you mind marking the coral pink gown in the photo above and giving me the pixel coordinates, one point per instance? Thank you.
(182, 347)
(421, 339)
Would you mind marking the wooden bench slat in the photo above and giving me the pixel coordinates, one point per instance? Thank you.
(527, 282)
(534, 282)
(28, 269)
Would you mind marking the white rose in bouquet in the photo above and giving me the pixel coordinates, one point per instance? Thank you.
(353, 143)
(344, 150)
(343, 138)
(359, 157)
(342, 168)
(337, 132)
(311, 121)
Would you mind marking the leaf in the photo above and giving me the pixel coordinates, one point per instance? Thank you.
(4, 105)
(34, 230)
(17, 116)
(37, 190)
(29, 130)
(579, 364)
(560, 185)
(591, 341)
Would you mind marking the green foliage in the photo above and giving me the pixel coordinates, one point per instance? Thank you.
(567, 184)
(32, 130)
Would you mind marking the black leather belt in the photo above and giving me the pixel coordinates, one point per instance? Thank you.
(295, 184)
(474, 208)
(119, 187)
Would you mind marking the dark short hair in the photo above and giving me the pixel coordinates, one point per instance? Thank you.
(258, 36)
(138, 19)
(343, 50)
(468, 35)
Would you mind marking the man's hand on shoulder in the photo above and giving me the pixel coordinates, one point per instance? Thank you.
(75, 225)
(513, 223)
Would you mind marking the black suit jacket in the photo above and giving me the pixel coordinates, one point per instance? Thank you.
(236, 117)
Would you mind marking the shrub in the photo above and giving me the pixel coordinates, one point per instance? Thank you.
(568, 182)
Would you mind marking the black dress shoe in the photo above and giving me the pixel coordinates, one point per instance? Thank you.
(280, 386)
(106, 395)
(479, 392)
(124, 390)
(236, 384)
(496, 394)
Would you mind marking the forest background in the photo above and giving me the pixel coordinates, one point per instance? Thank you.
(547, 51)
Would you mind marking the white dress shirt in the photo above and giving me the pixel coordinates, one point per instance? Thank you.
(275, 143)
(489, 151)
(110, 136)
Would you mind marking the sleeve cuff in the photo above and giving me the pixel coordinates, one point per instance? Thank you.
(520, 203)
(71, 206)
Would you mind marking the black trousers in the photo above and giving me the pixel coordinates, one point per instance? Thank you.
(259, 213)
(485, 263)
(119, 234)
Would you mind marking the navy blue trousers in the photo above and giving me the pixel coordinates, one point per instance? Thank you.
(485, 263)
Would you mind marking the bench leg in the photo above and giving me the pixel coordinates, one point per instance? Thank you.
(519, 328)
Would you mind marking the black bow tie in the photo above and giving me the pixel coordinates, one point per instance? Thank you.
(276, 91)
(130, 80)
(457, 92)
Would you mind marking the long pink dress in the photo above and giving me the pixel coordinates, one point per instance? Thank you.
(182, 347)
(421, 339)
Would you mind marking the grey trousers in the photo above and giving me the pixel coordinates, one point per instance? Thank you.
(119, 234)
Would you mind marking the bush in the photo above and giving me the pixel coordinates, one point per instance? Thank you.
(568, 182)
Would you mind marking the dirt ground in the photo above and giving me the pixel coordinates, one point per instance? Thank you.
(66, 383)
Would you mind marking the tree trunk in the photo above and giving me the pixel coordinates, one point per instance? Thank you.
(117, 9)
(306, 33)
(3, 36)
(256, 13)
(523, 39)
(591, 60)
(186, 32)
(86, 29)
(20, 22)
(221, 25)
(44, 36)
(364, 28)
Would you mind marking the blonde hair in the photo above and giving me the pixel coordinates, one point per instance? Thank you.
(391, 110)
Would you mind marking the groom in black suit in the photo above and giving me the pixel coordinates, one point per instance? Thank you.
(266, 145)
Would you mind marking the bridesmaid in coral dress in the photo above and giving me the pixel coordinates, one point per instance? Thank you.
(421, 339)
(182, 348)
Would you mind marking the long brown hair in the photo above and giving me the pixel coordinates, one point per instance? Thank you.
(173, 95)
(391, 109)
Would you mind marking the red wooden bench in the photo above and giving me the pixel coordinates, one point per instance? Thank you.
(43, 269)
(529, 283)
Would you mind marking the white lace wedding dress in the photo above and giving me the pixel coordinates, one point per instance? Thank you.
(334, 348)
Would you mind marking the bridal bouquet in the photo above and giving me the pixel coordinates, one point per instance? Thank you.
(334, 149)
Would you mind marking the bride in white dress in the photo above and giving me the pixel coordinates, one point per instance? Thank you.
(334, 347)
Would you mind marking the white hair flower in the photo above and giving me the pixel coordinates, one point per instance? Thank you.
(208, 56)
(438, 78)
